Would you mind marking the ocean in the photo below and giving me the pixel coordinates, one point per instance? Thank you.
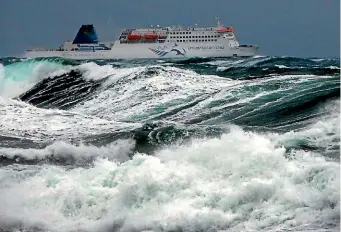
(205, 144)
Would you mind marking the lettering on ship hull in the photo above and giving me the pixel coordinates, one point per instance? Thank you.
(88, 54)
(209, 47)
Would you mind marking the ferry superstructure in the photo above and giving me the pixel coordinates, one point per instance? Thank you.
(152, 43)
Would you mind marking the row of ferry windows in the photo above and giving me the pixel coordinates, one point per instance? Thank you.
(193, 40)
(181, 32)
(195, 36)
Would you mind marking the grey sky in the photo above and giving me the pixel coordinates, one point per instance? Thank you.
(308, 28)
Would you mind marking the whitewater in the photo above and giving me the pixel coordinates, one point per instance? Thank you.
(204, 144)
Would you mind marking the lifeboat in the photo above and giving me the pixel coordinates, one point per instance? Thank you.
(226, 29)
(162, 36)
(150, 36)
(134, 37)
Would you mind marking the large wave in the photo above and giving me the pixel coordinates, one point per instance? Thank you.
(161, 91)
(201, 144)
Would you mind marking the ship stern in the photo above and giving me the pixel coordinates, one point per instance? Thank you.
(247, 50)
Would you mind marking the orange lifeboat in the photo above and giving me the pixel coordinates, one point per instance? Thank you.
(150, 36)
(226, 29)
(134, 37)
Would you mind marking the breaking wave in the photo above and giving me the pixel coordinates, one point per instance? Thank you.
(200, 186)
(203, 144)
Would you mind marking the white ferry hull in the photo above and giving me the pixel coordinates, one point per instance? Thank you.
(153, 51)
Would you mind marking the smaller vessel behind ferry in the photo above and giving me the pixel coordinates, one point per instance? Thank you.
(152, 43)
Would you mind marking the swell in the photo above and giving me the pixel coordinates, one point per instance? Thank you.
(280, 104)
(318, 137)
(242, 69)
(263, 61)
(259, 72)
(69, 89)
(294, 109)
(286, 103)
(62, 92)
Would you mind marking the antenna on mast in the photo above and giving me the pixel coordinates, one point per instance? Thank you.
(218, 22)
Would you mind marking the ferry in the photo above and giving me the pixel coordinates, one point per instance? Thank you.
(152, 43)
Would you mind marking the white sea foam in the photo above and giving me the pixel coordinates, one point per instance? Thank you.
(281, 66)
(22, 120)
(241, 181)
(92, 71)
(118, 150)
(333, 67)
(317, 60)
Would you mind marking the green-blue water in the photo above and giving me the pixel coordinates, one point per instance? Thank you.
(190, 145)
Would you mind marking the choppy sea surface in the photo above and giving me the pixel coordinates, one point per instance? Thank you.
(228, 144)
